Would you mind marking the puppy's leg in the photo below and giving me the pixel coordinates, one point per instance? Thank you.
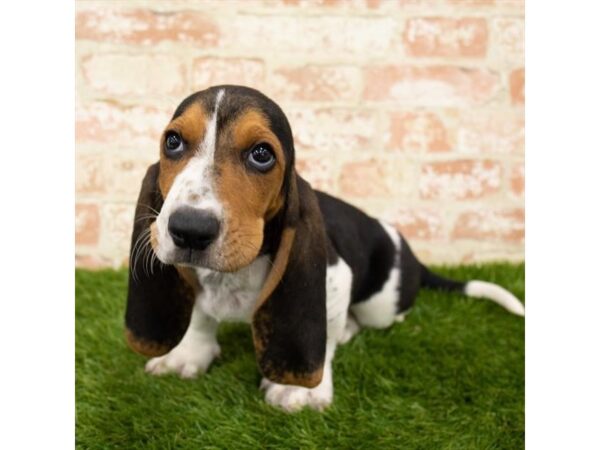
(292, 398)
(194, 353)
(380, 310)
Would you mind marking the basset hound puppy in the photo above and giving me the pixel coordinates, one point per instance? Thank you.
(226, 230)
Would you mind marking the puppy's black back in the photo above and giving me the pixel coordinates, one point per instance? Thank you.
(362, 242)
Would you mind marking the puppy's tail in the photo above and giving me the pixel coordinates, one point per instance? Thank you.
(473, 288)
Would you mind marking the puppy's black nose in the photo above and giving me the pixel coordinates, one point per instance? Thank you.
(193, 228)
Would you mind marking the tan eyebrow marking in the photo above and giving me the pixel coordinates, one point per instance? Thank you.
(191, 124)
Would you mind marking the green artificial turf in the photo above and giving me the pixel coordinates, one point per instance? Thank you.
(450, 376)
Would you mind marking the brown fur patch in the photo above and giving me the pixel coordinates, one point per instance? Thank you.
(306, 379)
(250, 198)
(188, 275)
(191, 125)
(279, 266)
(309, 380)
(144, 347)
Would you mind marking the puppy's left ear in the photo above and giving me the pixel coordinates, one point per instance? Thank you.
(289, 325)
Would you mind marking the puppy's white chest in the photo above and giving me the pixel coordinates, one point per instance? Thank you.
(231, 297)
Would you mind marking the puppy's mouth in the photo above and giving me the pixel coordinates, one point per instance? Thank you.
(185, 256)
(190, 257)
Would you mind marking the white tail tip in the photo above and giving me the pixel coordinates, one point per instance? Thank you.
(497, 294)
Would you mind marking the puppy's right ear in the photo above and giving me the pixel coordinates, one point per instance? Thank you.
(159, 300)
(289, 325)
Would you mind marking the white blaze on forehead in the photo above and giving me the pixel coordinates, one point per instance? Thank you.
(194, 185)
(208, 144)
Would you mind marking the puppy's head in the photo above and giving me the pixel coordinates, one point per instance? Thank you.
(225, 190)
(226, 158)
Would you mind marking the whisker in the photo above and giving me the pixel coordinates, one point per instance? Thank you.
(155, 261)
(150, 208)
(138, 254)
(147, 257)
(135, 252)
(146, 216)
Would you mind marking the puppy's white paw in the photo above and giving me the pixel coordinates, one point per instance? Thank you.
(293, 398)
(352, 328)
(185, 360)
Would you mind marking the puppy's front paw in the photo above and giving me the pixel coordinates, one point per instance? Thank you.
(293, 398)
(184, 360)
(352, 327)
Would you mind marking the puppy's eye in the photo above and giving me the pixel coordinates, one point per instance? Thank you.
(173, 144)
(261, 157)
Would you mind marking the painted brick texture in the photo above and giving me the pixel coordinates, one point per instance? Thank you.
(412, 110)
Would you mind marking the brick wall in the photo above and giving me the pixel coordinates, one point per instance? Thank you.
(410, 109)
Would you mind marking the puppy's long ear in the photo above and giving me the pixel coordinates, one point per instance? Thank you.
(159, 301)
(289, 324)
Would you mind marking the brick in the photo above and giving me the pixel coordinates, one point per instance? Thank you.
(446, 37)
(368, 178)
(495, 251)
(472, 4)
(87, 224)
(374, 4)
(93, 261)
(517, 87)
(316, 83)
(517, 179)
(512, 3)
(130, 74)
(418, 223)
(117, 227)
(418, 3)
(90, 174)
(318, 171)
(127, 172)
(491, 132)
(114, 124)
(504, 225)
(211, 71)
(430, 86)
(418, 131)
(479, 3)
(460, 180)
(329, 4)
(325, 35)
(118, 174)
(509, 39)
(336, 130)
(443, 3)
(313, 3)
(145, 27)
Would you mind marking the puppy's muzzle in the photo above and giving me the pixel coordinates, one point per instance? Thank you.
(193, 228)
